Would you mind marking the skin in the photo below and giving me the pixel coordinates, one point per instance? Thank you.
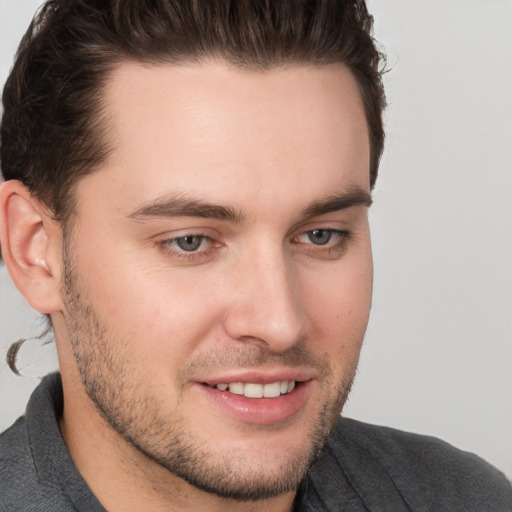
(141, 324)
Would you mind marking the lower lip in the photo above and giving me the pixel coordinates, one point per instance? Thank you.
(260, 411)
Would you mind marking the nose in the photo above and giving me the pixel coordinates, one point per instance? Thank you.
(266, 306)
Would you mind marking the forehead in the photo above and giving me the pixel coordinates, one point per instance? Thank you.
(195, 128)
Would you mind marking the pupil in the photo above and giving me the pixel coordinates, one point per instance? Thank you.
(320, 236)
(189, 243)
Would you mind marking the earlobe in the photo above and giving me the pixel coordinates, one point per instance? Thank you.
(29, 237)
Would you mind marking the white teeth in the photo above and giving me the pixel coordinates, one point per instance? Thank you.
(237, 388)
(254, 390)
(272, 390)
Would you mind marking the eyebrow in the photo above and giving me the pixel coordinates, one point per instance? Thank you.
(179, 206)
(184, 207)
(355, 196)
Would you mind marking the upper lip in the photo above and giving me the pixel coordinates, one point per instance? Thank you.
(261, 376)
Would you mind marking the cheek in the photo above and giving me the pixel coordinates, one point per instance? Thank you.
(339, 309)
(159, 314)
(170, 318)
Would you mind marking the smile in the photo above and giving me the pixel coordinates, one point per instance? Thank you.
(260, 399)
(255, 390)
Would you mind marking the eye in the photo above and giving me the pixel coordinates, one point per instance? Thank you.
(319, 236)
(323, 236)
(190, 248)
(189, 243)
(324, 243)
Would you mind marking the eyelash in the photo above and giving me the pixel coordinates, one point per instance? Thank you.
(329, 248)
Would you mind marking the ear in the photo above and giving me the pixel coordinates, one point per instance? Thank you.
(31, 246)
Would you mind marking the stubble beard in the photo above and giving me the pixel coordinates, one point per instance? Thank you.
(130, 407)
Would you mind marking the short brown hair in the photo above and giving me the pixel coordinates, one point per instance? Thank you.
(51, 132)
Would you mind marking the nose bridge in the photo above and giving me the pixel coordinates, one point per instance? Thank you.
(268, 305)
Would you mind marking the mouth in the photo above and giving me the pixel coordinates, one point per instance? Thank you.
(260, 399)
(256, 390)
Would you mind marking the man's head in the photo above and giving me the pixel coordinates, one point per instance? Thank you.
(209, 285)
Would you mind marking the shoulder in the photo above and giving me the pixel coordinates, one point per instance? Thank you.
(21, 489)
(17, 472)
(15, 460)
(426, 471)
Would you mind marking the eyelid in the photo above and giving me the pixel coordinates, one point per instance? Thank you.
(169, 233)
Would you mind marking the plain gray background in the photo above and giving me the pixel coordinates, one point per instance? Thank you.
(438, 353)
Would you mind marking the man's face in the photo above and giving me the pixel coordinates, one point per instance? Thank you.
(224, 245)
